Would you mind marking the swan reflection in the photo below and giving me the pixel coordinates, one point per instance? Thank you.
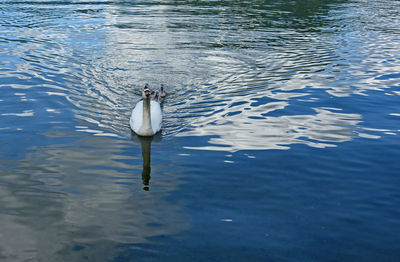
(145, 143)
(146, 148)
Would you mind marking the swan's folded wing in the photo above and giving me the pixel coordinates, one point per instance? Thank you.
(156, 116)
(136, 117)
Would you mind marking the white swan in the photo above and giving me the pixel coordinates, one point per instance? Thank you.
(146, 117)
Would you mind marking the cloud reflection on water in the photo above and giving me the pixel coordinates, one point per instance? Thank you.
(82, 194)
(216, 76)
(252, 128)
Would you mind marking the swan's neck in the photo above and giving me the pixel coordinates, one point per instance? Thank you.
(146, 123)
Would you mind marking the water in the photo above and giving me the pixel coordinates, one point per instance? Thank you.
(280, 138)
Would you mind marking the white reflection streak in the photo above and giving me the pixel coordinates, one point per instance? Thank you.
(243, 132)
(25, 113)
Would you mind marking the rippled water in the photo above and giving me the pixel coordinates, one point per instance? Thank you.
(280, 138)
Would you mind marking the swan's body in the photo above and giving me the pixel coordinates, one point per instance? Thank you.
(146, 117)
(144, 122)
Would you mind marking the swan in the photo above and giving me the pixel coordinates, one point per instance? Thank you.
(160, 94)
(146, 117)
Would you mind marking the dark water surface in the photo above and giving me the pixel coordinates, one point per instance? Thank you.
(280, 138)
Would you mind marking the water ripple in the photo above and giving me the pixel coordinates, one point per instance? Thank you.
(254, 81)
(240, 75)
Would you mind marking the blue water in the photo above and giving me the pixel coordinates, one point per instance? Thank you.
(280, 137)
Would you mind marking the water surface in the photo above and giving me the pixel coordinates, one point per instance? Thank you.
(280, 138)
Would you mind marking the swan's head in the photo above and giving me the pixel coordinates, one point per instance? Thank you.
(146, 91)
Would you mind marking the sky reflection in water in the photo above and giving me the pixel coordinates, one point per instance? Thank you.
(240, 77)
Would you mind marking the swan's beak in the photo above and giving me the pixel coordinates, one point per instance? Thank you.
(146, 92)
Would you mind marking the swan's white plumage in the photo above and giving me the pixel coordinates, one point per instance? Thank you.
(136, 120)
